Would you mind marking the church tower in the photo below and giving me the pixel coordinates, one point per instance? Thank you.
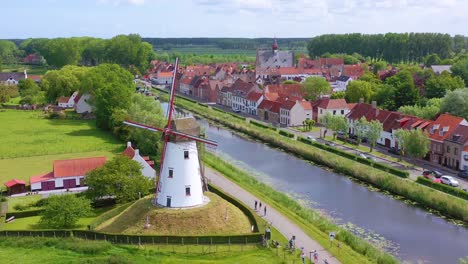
(274, 46)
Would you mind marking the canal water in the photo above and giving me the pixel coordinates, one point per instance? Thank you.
(410, 233)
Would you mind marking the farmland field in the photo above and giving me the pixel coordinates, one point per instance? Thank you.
(27, 133)
(29, 143)
(30, 69)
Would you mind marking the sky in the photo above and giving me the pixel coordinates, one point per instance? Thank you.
(228, 18)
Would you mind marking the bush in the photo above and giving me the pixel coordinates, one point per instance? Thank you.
(443, 188)
(286, 134)
(258, 124)
(204, 105)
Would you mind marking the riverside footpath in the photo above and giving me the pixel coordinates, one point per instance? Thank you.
(278, 221)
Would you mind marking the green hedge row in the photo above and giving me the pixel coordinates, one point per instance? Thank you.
(286, 134)
(262, 125)
(251, 216)
(443, 188)
(136, 239)
(380, 166)
(204, 105)
(237, 116)
(23, 214)
(217, 109)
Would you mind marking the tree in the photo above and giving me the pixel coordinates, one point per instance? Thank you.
(7, 92)
(360, 129)
(62, 51)
(401, 137)
(437, 86)
(460, 69)
(374, 128)
(335, 123)
(406, 92)
(313, 87)
(417, 143)
(456, 103)
(8, 52)
(378, 66)
(431, 59)
(338, 95)
(120, 177)
(63, 82)
(357, 90)
(384, 95)
(111, 88)
(63, 211)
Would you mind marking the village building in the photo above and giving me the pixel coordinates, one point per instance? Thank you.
(254, 99)
(207, 90)
(15, 186)
(66, 174)
(235, 96)
(439, 130)
(272, 59)
(12, 78)
(438, 69)
(326, 105)
(354, 71)
(67, 102)
(82, 104)
(269, 111)
(464, 158)
(454, 146)
(147, 165)
(34, 59)
(294, 112)
(163, 78)
(341, 83)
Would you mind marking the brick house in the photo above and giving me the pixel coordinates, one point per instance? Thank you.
(454, 146)
(269, 111)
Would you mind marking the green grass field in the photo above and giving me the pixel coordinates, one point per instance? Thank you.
(51, 250)
(30, 69)
(209, 219)
(26, 134)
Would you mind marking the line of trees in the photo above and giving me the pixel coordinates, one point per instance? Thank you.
(392, 47)
(128, 51)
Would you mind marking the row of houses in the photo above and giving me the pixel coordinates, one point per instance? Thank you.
(71, 173)
(448, 134)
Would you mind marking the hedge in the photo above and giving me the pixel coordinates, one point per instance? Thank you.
(236, 116)
(23, 214)
(443, 188)
(262, 125)
(204, 105)
(251, 216)
(286, 134)
(217, 109)
(377, 165)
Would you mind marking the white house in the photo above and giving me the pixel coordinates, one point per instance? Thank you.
(163, 78)
(464, 158)
(293, 113)
(253, 101)
(82, 104)
(147, 165)
(12, 78)
(341, 83)
(67, 102)
(66, 174)
(326, 105)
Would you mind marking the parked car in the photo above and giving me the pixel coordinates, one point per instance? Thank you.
(394, 150)
(340, 135)
(311, 138)
(363, 156)
(236, 111)
(371, 158)
(434, 173)
(463, 174)
(449, 180)
(331, 144)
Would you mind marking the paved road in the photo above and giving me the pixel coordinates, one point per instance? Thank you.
(280, 222)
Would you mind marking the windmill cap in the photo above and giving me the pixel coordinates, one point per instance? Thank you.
(187, 125)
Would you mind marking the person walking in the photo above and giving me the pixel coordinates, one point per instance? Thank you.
(255, 205)
(315, 256)
(260, 207)
(264, 211)
(303, 257)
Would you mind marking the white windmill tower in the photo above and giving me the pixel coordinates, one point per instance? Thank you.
(180, 181)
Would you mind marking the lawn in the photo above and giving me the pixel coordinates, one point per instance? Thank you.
(26, 134)
(209, 219)
(30, 69)
(51, 250)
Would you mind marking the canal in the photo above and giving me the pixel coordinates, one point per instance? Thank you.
(408, 232)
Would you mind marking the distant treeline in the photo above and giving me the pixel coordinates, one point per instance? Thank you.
(227, 43)
(392, 47)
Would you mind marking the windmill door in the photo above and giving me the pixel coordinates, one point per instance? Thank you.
(168, 202)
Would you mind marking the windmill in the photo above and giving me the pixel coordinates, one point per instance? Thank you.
(179, 183)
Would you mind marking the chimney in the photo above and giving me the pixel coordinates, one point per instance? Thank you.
(361, 100)
(137, 152)
(129, 144)
(374, 104)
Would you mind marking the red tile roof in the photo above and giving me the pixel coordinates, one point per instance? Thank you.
(270, 106)
(354, 71)
(14, 182)
(77, 98)
(465, 148)
(76, 167)
(443, 126)
(351, 106)
(288, 104)
(459, 135)
(165, 74)
(254, 96)
(327, 103)
(63, 99)
(129, 152)
(362, 110)
(306, 105)
(41, 177)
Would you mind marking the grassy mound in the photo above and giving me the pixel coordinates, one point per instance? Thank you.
(207, 220)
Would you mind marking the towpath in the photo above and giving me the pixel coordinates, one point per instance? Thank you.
(280, 222)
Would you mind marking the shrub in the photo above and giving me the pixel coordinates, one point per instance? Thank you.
(258, 124)
(443, 188)
(286, 134)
